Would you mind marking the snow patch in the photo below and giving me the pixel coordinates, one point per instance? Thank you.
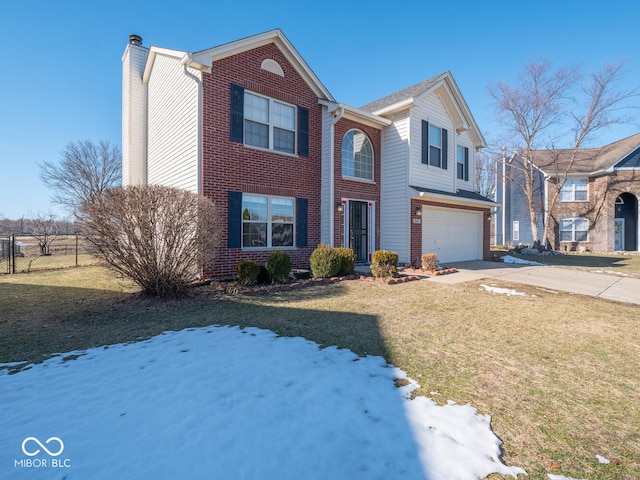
(520, 261)
(560, 477)
(503, 291)
(602, 459)
(243, 403)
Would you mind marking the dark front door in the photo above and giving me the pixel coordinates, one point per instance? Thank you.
(358, 230)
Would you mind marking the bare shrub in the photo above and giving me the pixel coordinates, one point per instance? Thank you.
(160, 237)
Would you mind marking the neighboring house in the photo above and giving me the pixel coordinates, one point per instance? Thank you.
(597, 209)
(249, 125)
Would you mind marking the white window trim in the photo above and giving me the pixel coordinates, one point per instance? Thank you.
(573, 190)
(467, 167)
(270, 223)
(272, 126)
(441, 147)
(573, 230)
(373, 161)
(515, 232)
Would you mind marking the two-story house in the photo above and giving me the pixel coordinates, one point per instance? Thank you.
(596, 208)
(249, 125)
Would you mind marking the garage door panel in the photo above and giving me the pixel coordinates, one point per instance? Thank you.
(453, 235)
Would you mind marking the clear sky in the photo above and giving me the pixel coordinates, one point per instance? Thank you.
(60, 61)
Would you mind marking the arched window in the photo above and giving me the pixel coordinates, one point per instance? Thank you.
(357, 155)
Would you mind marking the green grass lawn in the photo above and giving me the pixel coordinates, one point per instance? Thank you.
(558, 373)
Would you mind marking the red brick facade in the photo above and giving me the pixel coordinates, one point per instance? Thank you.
(232, 166)
(347, 188)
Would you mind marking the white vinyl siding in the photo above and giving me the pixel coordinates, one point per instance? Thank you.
(394, 191)
(432, 110)
(173, 125)
(134, 127)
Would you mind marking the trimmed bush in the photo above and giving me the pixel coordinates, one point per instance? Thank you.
(247, 272)
(430, 262)
(325, 262)
(385, 264)
(347, 261)
(278, 266)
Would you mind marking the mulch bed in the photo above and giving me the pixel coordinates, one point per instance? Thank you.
(431, 273)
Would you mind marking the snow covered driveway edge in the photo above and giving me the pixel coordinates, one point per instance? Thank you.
(224, 402)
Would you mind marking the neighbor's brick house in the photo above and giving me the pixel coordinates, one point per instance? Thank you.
(598, 205)
(249, 125)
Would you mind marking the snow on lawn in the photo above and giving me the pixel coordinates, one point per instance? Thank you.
(520, 261)
(505, 291)
(225, 403)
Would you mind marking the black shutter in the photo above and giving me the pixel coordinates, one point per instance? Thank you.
(303, 131)
(466, 163)
(302, 221)
(425, 142)
(234, 219)
(237, 113)
(445, 148)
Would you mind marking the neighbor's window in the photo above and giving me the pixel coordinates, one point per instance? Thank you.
(357, 155)
(267, 221)
(575, 190)
(516, 231)
(574, 229)
(462, 163)
(269, 123)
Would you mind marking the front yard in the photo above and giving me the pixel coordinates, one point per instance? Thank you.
(557, 372)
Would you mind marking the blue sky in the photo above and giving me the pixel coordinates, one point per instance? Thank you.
(60, 60)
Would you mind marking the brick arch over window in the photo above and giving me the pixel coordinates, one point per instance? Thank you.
(357, 155)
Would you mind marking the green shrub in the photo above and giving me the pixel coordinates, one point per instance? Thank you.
(278, 266)
(430, 262)
(247, 272)
(347, 261)
(385, 264)
(325, 262)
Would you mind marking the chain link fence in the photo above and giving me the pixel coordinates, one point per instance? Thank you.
(29, 253)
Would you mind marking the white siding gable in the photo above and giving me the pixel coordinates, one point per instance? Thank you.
(431, 109)
(173, 124)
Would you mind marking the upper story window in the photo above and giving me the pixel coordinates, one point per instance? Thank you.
(575, 190)
(434, 145)
(265, 122)
(462, 163)
(574, 229)
(269, 123)
(267, 221)
(357, 155)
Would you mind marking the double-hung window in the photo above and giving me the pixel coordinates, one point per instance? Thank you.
(269, 123)
(574, 229)
(462, 163)
(267, 221)
(434, 145)
(575, 190)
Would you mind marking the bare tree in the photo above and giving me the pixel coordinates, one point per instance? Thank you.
(44, 228)
(547, 106)
(486, 172)
(84, 170)
(160, 237)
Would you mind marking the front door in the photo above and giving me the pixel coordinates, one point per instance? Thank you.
(619, 233)
(358, 230)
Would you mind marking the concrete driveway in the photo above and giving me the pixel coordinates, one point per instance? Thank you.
(611, 287)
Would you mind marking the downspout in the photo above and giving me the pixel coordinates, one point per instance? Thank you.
(186, 61)
(504, 196)
(332, 163)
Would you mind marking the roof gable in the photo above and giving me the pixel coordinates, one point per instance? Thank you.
(205, 58)
(448, 92)
(623, 153)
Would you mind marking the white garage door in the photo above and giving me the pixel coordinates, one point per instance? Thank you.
(453, 235)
